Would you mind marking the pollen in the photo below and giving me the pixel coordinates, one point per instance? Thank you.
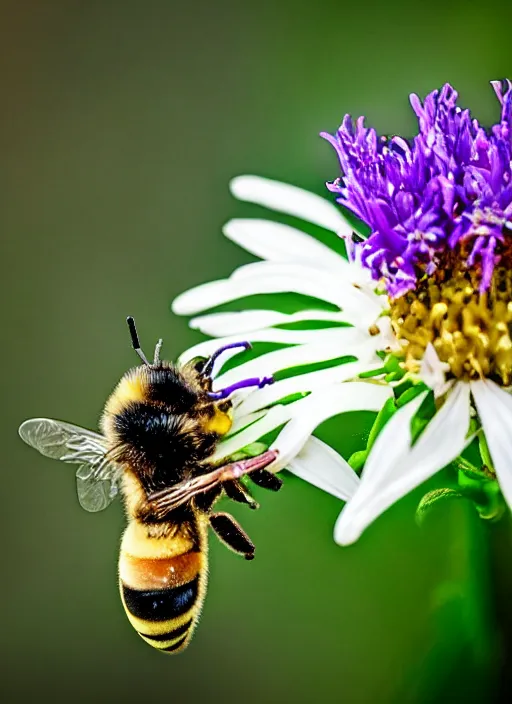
(219, 423)
(470, 331)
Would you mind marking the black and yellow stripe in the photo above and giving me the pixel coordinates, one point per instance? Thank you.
(163, 609)
(162, 584)
(172, 641)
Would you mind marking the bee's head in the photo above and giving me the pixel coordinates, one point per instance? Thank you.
(203, 368)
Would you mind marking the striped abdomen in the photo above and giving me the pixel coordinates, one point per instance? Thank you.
(162, 583)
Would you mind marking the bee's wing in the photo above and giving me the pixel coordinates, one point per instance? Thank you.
(96, 494)
(96, 477)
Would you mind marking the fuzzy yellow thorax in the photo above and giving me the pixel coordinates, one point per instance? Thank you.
(470, 331)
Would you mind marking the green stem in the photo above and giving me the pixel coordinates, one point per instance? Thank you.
(500, 535)
(484, 451)
(466, 466)
(458, 664)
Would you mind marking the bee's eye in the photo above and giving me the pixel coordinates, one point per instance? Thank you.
(198, 363)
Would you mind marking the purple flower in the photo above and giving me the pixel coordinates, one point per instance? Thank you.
(448, 189)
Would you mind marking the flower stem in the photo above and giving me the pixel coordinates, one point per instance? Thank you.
(500, 557)
(484, 452)
(459, 660)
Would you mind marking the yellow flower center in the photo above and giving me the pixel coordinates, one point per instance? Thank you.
(470, 331)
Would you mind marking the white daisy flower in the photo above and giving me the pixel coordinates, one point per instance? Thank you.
(428, 302)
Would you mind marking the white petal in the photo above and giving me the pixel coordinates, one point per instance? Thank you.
(303, 383)
(220, 324)
(338, 343)
(291, 200)
(433, 371)
(326, 348)
(277, 242)
(243, 421)
(318, 464)
(394, 468)
(494, 406)
(328, 402)
(387, 338)
(324, 403)
(287, 337)
(392, 443)
(216, 293)
(358, 305)
(335, 288)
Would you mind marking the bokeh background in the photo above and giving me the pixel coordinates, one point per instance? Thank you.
(121, 125)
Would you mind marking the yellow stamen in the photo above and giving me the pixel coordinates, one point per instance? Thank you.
(470, 331)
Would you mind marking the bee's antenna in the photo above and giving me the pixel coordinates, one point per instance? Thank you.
(158, 348)
(135, 339)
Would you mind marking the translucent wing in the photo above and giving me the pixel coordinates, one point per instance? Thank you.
(96, 478)
(96, 494)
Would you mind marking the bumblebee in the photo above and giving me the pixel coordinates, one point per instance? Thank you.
(160, 427)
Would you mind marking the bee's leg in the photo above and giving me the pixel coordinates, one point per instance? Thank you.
(236, 491)
(205, 501)
(232, 534)
(159, 503)
(266, 480)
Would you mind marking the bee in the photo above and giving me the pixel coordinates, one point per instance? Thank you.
(160, 427)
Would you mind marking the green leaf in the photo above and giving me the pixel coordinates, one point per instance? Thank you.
(484, 451)
(433, 499)
(252, 450)
(494, 506)
(424, 415)
(357, 460)
(404, 396)
(482, 488)
(374, 372)
(392, 364)
(383, 416)
(394, 370)
(469, 470)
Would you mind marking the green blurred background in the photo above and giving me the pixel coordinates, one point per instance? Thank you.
(122, 123)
